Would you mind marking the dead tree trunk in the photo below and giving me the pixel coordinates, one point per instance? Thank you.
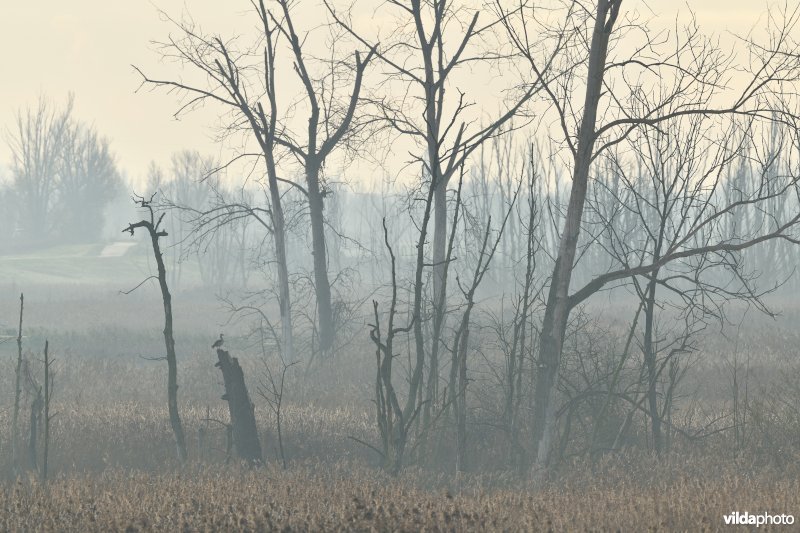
(155, 233)
(48, 395)
(36, 407)
(242, 410)
(17, 391)
(33, 439)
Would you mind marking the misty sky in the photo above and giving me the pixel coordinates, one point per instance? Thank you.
(87, 47)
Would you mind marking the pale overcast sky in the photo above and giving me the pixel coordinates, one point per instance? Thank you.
(87, 47)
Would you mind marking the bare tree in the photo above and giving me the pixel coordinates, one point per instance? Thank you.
(644, 210)
(64, 174)
(271, 389)
(231, 83)
(37, 146)
(153, 228)
(184, 187)
(88, 179)
(431, 44)
(209, 221)
(663, 80)
(394, 421)
(518, 348)
(458, 365)
(34, 422)
(328, 125)
(49, 381)
(421, 58)
(17, 390)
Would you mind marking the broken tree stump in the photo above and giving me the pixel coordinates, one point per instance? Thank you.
(242, 410)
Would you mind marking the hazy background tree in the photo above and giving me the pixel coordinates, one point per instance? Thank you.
(37, 144)
(63, 176)
(88, 180)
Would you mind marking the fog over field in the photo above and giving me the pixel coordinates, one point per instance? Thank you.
(400, 266)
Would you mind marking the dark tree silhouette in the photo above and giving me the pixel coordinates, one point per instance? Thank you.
(153, 228)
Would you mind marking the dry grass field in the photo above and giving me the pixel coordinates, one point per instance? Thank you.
(343, 496)
(113, 465)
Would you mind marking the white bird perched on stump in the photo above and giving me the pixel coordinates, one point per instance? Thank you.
(218, 342)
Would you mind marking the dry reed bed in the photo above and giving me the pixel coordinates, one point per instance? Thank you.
(130, 435)
(114, 460)
(348, 497)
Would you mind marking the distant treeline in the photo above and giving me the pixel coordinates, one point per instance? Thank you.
(63, 177)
